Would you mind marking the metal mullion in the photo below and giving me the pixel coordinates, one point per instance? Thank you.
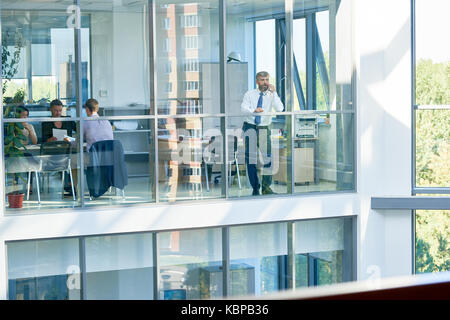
(226, 263)
(184, 116)
(10, 120)
(2, 156)
(223, 98)
(310, 62)
(79, 97)
(289, 103)
(82, 262)
(413, 96)
(432, 107)
(155, 252)
(153, 95)
(431, 190)
(291, 254)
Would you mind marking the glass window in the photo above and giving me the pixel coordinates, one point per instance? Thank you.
(40, 172)
(190, 157)
(190, 264)
(323, 152)
(260, 153)
(432, 53)
(117, 158)
(119, 267)
(258, 259)
(44, 270)
(119, 54)
(432, 252)
(433, 148)
(194, 48)
(323, 251)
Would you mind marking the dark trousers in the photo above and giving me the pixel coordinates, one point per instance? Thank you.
(252, 135)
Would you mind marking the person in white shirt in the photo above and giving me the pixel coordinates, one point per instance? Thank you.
(256, 103)
(95, 130)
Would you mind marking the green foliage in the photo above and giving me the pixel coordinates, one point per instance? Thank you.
(432, 164)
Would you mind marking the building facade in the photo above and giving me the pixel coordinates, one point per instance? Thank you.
(170, 77)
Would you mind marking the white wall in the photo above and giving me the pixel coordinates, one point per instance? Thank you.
(382, 34)
(119, 44)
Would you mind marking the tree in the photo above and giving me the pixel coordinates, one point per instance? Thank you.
(432, 163)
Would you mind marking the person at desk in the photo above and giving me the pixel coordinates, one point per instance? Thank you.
(56, 107)
(256, 102)
(28, 129)
(95, 130)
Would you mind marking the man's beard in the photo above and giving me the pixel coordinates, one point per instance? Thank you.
(263, 88)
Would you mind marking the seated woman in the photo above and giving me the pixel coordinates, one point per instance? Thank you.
(28, 129)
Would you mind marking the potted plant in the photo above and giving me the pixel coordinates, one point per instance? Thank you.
(14, 138)
(14, 156)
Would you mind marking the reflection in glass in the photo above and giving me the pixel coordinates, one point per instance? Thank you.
(323, 156)
(258, 257)
(119, 267)
(42, 174)
(44, 270)
(119, 171)
(432, 148)
(187, 57)
(190, 264)
(119, 39)
(260, 154)
(323, 251)
(190, 158)
(41, 55)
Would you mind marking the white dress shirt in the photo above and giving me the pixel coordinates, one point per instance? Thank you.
(271, 102)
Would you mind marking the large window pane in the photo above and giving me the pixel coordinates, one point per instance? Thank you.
(190, 264)
(432, 53)
(119, 51)
(261, 154)
(432, 252)
(323, 152)
(119, 171)
(323, 251)
(258, 257)
(432, 148)
(44, 173)
(44, 270)
(255, 42)
(41, 50)
(119, 267)
(321, 69)
(187, 49)
(190, 158)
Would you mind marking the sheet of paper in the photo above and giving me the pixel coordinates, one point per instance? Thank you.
(59, 134)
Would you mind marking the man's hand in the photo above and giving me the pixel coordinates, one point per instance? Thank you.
(26, 125)
(258, 110)
(271, 87)
(51, 139)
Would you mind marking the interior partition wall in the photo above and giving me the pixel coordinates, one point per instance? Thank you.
(170, 77)
(184, 264)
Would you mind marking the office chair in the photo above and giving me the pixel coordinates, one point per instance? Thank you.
(55, 156)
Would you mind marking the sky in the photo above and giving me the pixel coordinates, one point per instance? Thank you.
(432, 30)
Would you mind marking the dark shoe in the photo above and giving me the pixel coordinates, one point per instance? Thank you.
(255, 192)
(267, 191)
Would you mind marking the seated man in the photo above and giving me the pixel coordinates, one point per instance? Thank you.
(95, 130)
(56, 107)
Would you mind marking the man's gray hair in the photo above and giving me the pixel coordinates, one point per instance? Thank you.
(262, 74)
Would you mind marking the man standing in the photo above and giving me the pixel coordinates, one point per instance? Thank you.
(256, 102)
